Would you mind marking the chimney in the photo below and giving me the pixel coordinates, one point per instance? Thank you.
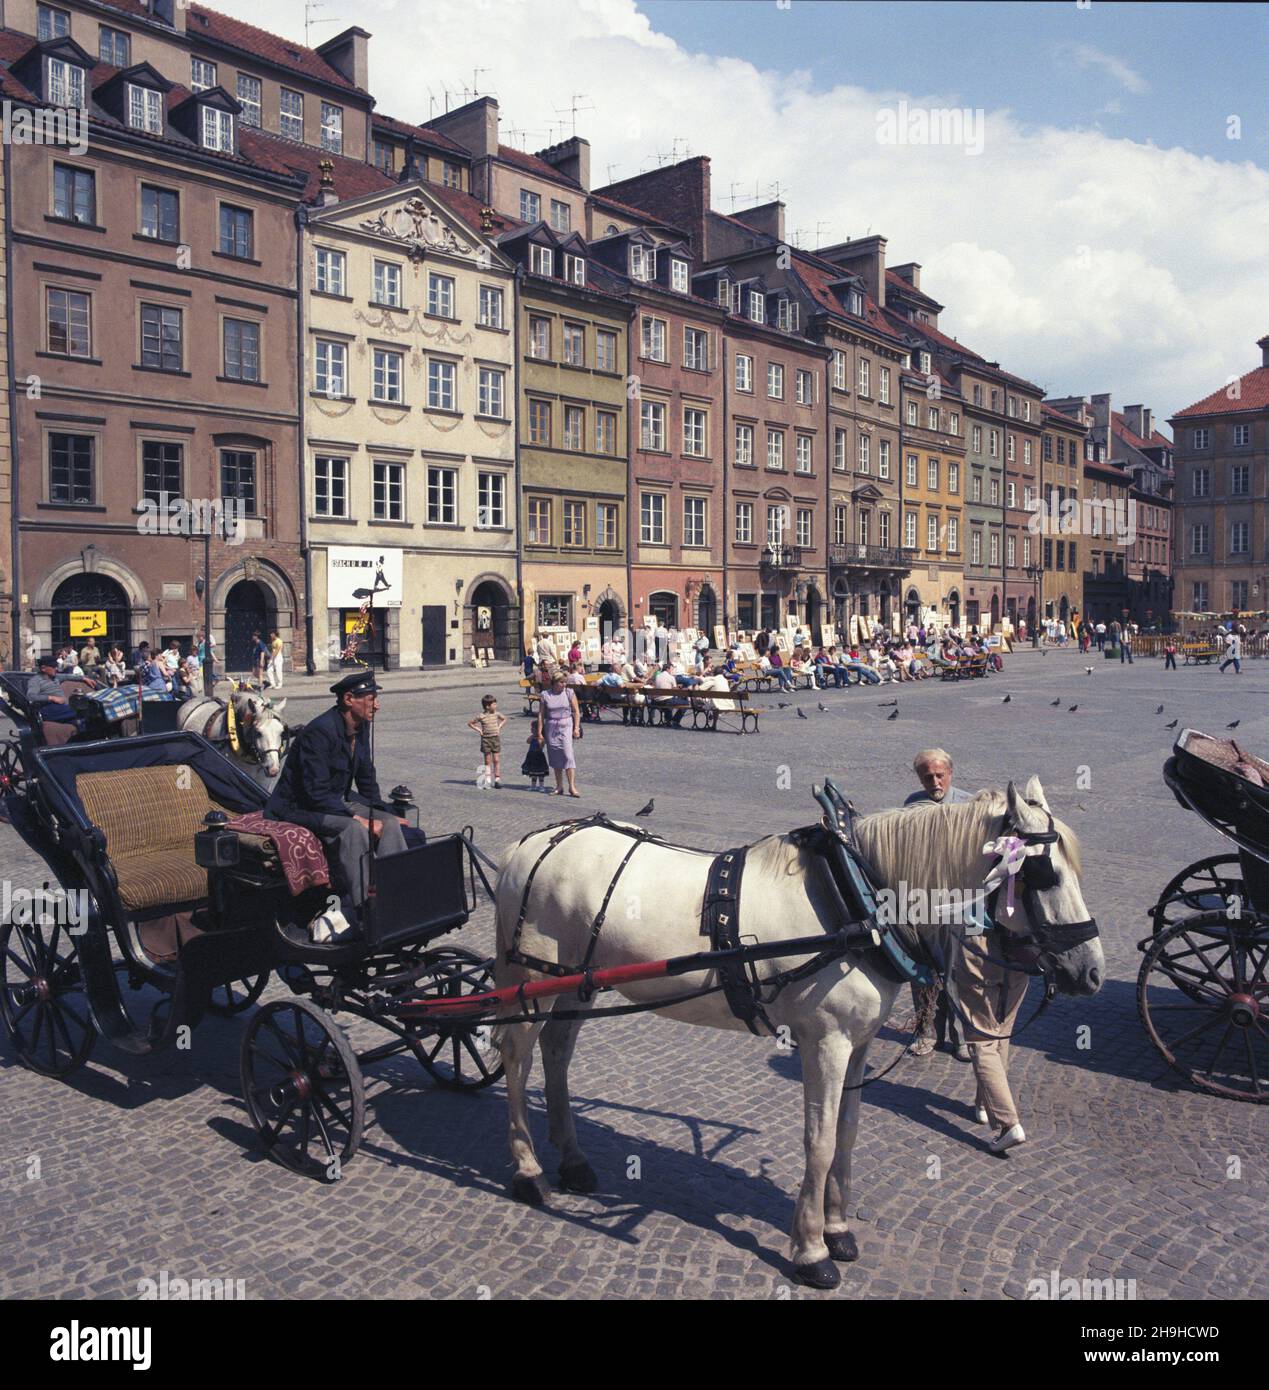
(910, 272)
(170, 13)
(864, 256)
(474, 126)
(348, 53)
(767, 218)
(678, 193)
(571, 158)
(1263, 345)
(1132, 418)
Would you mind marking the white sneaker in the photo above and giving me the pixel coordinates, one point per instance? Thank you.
(1012, 1137)
(980, 1115)
(326, 926)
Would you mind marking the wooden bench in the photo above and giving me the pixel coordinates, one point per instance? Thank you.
(1200, 653)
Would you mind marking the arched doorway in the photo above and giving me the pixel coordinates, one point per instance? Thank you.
(841, 609)
(912, 606)
(707, 611)
(1011, 611)
(247, 609)
(609, 619)
(954, 608)
(995, 611)
(491, 622)
(815, 615)
(1031, 614)
(100, 606)
(664, 607)
(1064, 609)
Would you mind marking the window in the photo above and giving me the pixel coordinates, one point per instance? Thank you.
(805, 522)
(775, 381)
(332, 128)
(575, 270)
(995, 549)
(862, 527)
(605, 432)
(540, 338)
(530, 206)
(932, 475)
(330, 486)
(883, 459)
(1061, 555)
(51, 23)
(249, 98)
(652, 518)
(575, 344)
(555, 610)
(160, 213)
(839, 449)
(1009, 448)
(953, 534)
(931, 531)
(883, 386)
(1242, 436)
(442, 496)
(1046, 450)
(805, 388)
(161, 470)
(387, 284)
(242, 350)
(744, 523)
(695, 347)
(839, 369)
(953, 476)
(218, 130)
(643, 263)
(804, 453)
(68, 327)
(910, 475)
(1199, 589)
(490, 392)
(387, 500)
(574, 427)
(1026, 453)
(978, 394)
(777, 520)
(387, 373)
(1011, 495)
(678, 275)
(724, 293)
(1026, 552)
(330, 372)
(202, 75)
(606, 525)
(574, 523)
(330, 271)
(856, 303)
(976, 548)
(440, 295)
(74, 194)
(541, 259)
(605, 350)
(71, 469)
(237, 237)
(757, 306)
(540, 422)
(976, 488)
(161, 338)
(953, 423)
(1240, 480)
(865, 376)
(976, 440)
(652, 425)
(490, 306)
(995, 400)
(995, 492)
(654, 339)
(932, 417)
(1238, 594)
(145, 109)
(840, 532)
(744, 372)
(775, 448)
(451, 174)
(1011, 551)
(863, 459)
(994, 443)
(291, 115)
(491, 500)
(540, 523)
(695, 432)
(744, 446)
(1202, 438)
(1202, 482)
(694, 521)
(910, 530)
(442, 377)
(383, 156)
(787, 315)
(561, 216)
(911, 413)
(1011, 405)
(1238, 538)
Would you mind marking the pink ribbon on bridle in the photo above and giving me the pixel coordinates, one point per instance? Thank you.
(1012, 852)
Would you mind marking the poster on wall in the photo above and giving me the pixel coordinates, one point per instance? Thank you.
(350, 567)
(828, 632)
(720, 637)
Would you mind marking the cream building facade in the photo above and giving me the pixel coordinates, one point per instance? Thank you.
(409, 428)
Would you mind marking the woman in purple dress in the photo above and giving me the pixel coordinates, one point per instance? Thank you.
(559, 723)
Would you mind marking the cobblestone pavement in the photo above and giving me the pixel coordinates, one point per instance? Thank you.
(150, 1165)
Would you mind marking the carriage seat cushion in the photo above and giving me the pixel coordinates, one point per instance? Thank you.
(149, 816)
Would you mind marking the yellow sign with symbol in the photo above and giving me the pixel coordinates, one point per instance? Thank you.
(88, 622)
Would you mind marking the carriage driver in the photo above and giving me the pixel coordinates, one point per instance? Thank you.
(327, 757)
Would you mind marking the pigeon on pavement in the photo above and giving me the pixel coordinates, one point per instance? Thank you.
(1234, 725)
(1173, 725)
(1159, 710)
(1056, 702)
(1072, 709)
(647, 810)
(801, 714)
(886, 704)
(1006, 699)
(1088, 670)
(783, 704)
(894, 714)
(823, 706)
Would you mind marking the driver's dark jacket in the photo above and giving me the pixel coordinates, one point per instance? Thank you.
(319, 774)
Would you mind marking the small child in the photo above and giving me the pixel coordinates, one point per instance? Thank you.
(488, 724)
(535, 766)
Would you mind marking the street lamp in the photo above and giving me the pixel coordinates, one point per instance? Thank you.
(1035, 573)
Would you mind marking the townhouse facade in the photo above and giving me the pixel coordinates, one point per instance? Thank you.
(1022, 486)
(1058, 592)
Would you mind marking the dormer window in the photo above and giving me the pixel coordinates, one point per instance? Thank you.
(724, 293)
(925, 364)
(217, 130)
(332, 128)
(575, 270)
(643, 262)
(757, 306)
(64, 82)
(678, 275)
(145, 109)
(541, 260)
(202, 75)
(856, 304)
(787, 315)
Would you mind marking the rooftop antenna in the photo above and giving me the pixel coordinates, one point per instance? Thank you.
(432, 100)
(775, 189)
(572, 110)
(309, 21)
(513, 134)
(610, 168)
(818, 225)
(475, 81)
(732, 194)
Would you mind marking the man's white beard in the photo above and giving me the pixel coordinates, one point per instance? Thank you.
(937, 794)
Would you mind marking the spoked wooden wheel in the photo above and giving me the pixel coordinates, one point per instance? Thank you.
(234, 998)
(42, 1002)
(1203, 997)
(303, 1088)
(1206, 886)
(12, 776)
(459, 1056)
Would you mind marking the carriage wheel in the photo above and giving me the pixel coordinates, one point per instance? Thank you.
(227, 1000)
(1206, 886)
(1203, 996)
(12, 776)
(460, 1056)
(303, 1088)
(42, 1003)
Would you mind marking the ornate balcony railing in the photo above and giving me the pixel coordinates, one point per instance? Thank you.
(856, 556)
(781, 557)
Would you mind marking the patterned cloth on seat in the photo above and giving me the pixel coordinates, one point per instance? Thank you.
(121, 702)
(301, 853)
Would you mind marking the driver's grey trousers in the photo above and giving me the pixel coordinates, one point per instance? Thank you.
(347, 844)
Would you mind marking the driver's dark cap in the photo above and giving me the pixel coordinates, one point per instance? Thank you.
(46, 660)
(356, 683)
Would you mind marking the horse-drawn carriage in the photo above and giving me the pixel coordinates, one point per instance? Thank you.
(185, 889)
(1203, 988)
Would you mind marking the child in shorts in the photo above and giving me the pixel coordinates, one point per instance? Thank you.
(488, 724)
(535, 766)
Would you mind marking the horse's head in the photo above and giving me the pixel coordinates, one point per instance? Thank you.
(1065, 933)
(260, 720)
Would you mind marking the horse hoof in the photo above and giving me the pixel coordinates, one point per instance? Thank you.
(821, 1275)
(842, 1247)
(579, 1177)
(529, 1191)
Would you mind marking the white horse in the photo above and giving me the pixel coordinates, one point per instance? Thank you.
(833, 1014)
(261, 730)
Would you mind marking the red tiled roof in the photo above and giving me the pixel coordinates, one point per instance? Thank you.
(133, 7)
(202, 23)
(907, 287)
(1119, 425)
(468, 208)
(352, 177)
(817, 275)
(534, 165)
(420, 132)
(1253, 394)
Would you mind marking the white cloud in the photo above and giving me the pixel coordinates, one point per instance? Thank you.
(1080, 260)
(1089, 57)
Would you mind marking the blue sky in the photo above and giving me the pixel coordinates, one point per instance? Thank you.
(1175, 72)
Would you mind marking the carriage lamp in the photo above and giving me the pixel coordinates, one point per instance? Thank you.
(402, 799)
(215, 847)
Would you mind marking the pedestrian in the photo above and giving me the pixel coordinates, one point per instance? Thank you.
(1101, 636)
(1125, 645)
(1233, 654)
(276, 653)
(488, 724)
(259, 660)
(535, 766)
(1169, 655)
(559, 723)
